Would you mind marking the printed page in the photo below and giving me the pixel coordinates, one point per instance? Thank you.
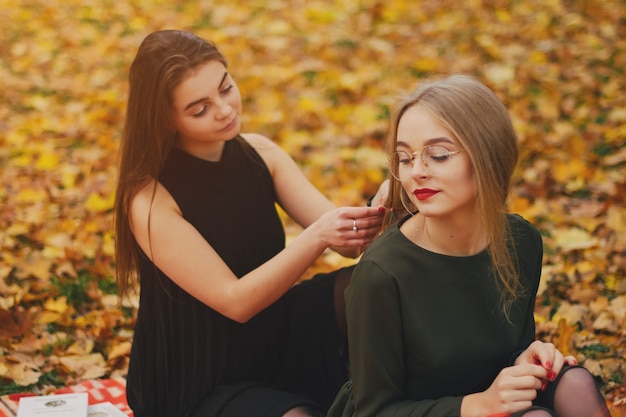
(57, 405)
(105, 409)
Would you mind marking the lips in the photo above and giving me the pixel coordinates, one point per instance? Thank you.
(229, 125)
(424, 193)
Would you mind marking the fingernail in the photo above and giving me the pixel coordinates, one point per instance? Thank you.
(544, 385)
(548, 365)
(382, 209)
(551, 376)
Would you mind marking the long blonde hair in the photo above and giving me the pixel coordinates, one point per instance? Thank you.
(482, 125)
(162, 62)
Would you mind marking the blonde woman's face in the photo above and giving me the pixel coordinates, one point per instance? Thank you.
(206, 108)
(433, 168)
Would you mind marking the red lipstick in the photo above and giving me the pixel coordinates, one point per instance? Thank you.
(424, 193)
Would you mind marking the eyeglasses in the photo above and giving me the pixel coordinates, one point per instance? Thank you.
(434, 159)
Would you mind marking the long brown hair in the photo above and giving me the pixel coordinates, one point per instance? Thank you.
(162, 62)
(482, 125)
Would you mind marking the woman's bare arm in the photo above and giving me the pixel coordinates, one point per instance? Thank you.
(181, 252)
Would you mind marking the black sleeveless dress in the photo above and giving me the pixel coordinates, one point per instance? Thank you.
(183, 351)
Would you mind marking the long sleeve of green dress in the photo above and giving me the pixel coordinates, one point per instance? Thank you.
(426, 329)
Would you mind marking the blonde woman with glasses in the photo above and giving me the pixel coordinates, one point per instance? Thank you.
(440, 307)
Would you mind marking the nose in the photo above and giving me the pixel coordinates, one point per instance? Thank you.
(223, 110)
(418, 169)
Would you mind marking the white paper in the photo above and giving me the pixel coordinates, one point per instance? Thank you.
(57, 405)
(105, 409)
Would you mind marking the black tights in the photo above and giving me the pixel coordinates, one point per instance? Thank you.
(304, 411)
(573, 394)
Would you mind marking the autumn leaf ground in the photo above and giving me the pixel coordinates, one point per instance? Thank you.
(318, 77)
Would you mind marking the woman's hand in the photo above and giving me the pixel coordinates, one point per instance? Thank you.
(349, 229)
(547, 356)
(514, 389)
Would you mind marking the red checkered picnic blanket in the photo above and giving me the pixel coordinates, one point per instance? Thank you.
(98, 390)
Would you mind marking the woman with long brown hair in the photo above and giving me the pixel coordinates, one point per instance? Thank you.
(221, 328)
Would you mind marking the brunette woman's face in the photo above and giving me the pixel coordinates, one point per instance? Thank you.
(440, 181)
(206, 107)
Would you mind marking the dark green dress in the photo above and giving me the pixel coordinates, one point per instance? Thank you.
(425, 329)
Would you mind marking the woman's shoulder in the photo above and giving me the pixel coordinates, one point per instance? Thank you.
(385, 250)
(270, 152)
(519, 224)
(386, 241)
(383, 265)
(259, 142)
(152, 196)
(524, 233)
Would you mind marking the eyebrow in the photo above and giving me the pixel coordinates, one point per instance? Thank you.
(200, 100)
(428, 142)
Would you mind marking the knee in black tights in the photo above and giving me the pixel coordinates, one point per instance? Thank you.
(535, 412)
(304, 411)
(575, 393)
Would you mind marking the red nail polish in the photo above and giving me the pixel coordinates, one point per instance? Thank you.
(548, 365)
(544, 385)
(551, 375)
(382, 209)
